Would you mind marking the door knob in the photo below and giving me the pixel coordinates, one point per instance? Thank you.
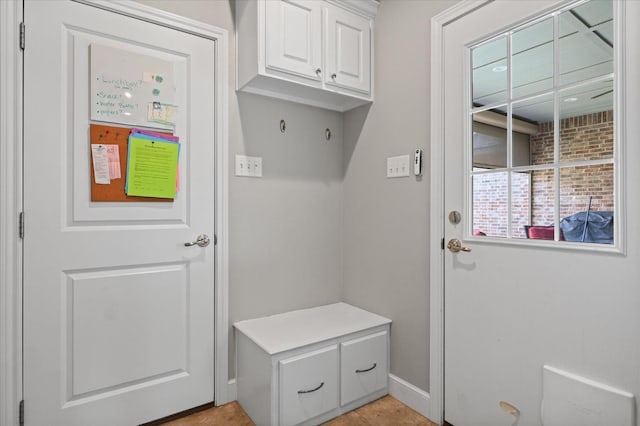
(455, 246)
(202, 241)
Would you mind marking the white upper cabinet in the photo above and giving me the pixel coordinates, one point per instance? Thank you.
(293, 42)
(347, 50)
(316, 52)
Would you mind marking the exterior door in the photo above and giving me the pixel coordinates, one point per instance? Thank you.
(541, 328)
(118, 312)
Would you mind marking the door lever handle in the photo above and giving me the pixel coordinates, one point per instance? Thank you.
(455, 246)
(202, 241)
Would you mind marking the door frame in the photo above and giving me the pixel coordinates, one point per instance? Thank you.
(10, 205)
(11, 192)
(436, 244)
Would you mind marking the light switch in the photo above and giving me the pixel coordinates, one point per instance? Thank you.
(248, 166)
(256, 169)
(398, 166)
(241, 165)
(391, 164)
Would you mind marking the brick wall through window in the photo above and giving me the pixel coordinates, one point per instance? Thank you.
(586, 137)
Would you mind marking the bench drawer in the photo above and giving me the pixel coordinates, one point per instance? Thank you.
(363, 366)
(308, 385)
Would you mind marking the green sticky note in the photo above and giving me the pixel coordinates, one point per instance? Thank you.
(152, 167)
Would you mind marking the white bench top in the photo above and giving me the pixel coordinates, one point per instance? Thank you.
(290, 330)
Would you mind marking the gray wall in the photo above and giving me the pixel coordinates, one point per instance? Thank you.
(324, 224)
(386, 221)
(286, 228)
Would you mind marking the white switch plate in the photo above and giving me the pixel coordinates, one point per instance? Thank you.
(248, 166)
(255, 166)
(398, 166)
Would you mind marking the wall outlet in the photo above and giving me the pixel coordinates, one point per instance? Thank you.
(248, 166)
(398, 166)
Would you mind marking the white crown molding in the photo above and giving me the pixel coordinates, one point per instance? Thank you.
(368, 8)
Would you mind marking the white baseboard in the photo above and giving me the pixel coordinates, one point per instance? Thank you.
(410, 395)
(232, 391)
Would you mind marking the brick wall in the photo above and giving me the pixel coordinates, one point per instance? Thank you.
(586, 137)
(490, 203)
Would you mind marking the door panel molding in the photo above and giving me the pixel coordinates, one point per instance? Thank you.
(11, 65)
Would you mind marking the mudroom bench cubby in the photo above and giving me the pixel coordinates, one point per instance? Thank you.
(308, 366)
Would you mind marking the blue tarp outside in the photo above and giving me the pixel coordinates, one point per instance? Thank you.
(599, 227)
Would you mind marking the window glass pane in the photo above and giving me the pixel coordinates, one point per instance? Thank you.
(543, 198)
(489, 142)
(586, 122)
(587, 203)
(533, 131)
(561, 117)
(489, 70)
(586, 42)
(520, 203)
(532, 59)
(490, 204)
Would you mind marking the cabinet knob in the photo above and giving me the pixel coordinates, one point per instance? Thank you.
(318, 71)
(333, 76)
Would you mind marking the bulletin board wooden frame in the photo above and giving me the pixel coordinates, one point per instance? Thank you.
(113, 135)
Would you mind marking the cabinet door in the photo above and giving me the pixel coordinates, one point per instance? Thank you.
(294, 37)
(363, 366)
(308, 385)
(347, 50)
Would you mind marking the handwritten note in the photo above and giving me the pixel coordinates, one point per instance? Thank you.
(100, 158)
(152, 167)
(113, 153)
(124, 82)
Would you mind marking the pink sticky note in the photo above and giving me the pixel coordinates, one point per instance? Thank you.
(113, 154)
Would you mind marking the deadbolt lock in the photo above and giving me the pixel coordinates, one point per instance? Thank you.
(455, 217)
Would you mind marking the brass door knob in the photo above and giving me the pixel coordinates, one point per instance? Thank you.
(455, 246)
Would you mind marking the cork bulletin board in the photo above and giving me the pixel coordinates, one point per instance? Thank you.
(114, 191)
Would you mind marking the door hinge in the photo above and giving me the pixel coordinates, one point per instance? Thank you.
(22, 31)
(21, 225)
(442, 243)
(21, 413)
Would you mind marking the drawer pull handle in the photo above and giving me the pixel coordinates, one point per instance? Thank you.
(312, 390)
(368, 369)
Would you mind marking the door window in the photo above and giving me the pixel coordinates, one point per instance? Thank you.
(542, 129)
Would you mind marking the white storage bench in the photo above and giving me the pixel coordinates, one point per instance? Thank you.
(308, 366)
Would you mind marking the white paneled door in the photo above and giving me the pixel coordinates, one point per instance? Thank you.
(118, 312)
(517, 308)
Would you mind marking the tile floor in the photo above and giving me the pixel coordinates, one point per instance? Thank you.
(386, 411)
